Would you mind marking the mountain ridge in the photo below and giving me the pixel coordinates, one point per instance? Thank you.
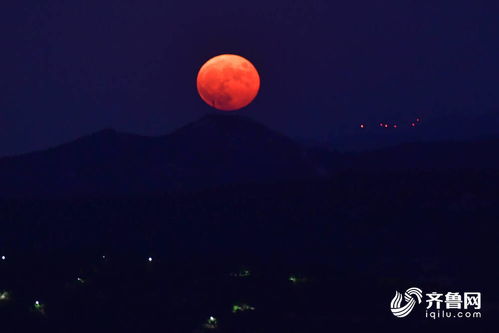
(214, 150)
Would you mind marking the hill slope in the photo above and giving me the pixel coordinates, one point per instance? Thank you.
(212, 151)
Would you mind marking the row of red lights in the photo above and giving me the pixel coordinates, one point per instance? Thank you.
(385, 125)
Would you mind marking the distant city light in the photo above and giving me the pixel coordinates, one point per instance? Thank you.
(3, 258)
(80, 280)
(211, 323)
(413, 123)
(39, 307)
(149, 259)
(241, 307)
(242, 273)
(297, 279)
(4, 296)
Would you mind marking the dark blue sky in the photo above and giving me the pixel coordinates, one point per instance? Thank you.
(73, 67)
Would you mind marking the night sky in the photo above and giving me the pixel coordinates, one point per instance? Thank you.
(70, 68)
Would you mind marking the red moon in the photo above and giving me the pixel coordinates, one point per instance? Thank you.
(228, 82)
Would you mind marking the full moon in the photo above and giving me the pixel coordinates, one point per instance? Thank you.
(228, 82)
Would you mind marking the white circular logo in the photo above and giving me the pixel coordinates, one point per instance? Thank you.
(411, 296)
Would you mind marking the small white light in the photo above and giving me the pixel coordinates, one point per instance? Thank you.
(37, 303)
(150, 259)
(103, 257)
(3, 258)
(4, 296)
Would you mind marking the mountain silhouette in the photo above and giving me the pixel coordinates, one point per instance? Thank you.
(436, 156)
(213, 151)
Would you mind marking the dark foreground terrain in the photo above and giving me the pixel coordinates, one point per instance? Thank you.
(131, 294)
(297, 257)
(327, 238)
